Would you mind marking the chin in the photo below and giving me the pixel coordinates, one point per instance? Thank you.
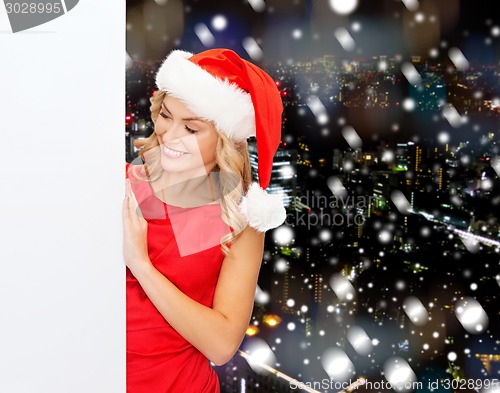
(183, 166)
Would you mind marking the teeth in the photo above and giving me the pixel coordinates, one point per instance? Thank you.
(171, 152)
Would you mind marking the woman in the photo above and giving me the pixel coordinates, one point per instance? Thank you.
(193, 224)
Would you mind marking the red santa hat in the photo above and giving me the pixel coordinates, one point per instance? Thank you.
(243, 101)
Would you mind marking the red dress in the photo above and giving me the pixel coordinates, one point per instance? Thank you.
(160, 360)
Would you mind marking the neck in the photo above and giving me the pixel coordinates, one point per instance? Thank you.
(185, 190)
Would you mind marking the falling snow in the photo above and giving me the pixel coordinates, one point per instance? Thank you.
(411, 73)
(471, 315)
(409, 104)
(252, 48)
(458, 59)
(219, 22)
(204, 34)
(337, 364)
(352, 138)
(343, 7)
(345, 39)
(399, 374)
(411, 286)
(416, 311)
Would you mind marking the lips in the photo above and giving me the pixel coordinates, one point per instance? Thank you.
(173, 153)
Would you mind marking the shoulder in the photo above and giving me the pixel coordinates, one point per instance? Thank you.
(137, 162)
(241, 266)
(249, 245)
(132, 168)
(249, 234)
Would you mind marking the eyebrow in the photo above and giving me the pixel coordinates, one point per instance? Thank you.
(186, 118)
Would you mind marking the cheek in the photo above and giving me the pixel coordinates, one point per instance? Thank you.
(209, 150)
(160, 126)
(157, 129)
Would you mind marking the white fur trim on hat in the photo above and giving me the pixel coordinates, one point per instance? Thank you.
(262, 210)
(224, 103)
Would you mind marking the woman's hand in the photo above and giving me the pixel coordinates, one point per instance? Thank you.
(135, 245)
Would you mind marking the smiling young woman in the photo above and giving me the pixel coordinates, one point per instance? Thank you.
(193, 223)
(185, 138)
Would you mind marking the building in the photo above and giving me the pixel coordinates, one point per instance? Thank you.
(283, 174)
(337, 159)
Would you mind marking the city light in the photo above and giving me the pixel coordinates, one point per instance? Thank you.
(252, 330)
(406, 143)
(271, 320)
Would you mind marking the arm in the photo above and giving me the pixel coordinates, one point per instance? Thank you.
(216, 332)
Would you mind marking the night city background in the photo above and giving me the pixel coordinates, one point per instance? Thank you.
(388, 265)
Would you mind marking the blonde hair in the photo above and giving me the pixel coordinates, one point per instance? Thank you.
(232, 163)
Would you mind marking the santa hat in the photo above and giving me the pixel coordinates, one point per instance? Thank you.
(243, 101)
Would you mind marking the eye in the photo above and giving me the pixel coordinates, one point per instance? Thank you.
(164, 115)
(190, 130)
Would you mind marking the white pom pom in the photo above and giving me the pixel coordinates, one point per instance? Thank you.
(262, 210)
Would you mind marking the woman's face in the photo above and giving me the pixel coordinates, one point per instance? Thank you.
(187, 142)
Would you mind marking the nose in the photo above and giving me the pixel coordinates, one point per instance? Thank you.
(173, 133)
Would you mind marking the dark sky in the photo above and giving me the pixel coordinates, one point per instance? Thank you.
(385, 27)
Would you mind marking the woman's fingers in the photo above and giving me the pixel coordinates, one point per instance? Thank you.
(125, 213)
(131, 209)
(126, 203)
(133, 204)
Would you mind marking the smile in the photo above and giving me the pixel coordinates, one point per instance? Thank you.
(172, 153)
